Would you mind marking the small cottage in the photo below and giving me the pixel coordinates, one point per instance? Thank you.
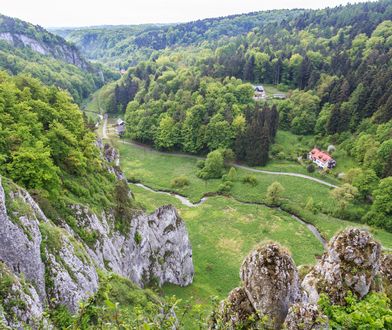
(259, 92)
(120, 127)
(321, 159)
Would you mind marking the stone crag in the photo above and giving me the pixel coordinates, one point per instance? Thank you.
(57, 267)
(272, 297)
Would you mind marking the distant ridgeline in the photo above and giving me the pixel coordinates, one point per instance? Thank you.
(30, 49)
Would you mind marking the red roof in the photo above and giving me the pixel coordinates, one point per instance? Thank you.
(321, 155)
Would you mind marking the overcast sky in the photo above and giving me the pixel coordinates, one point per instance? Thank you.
(55, 13)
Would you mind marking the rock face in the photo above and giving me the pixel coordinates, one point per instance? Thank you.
(156, 249)
(304, 316)
(60, 49)
(234, 312)
(20, 237)
(386, 267)
(21, 302)
(350, 264)
(271, 282)
(63, 269)
(270, 286)
(271, 298)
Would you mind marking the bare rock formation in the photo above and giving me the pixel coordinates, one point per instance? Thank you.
(304, 316)
(235, 312)
(270, 279)
(61, 268)
(270, 287)
(350, 264)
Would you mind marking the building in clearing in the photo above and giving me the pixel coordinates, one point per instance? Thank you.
(120, 127)
(259, 93)
(321, 158)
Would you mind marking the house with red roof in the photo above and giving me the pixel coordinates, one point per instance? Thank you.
(321, 158)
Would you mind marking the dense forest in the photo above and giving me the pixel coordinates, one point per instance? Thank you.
(335, 71)
(30, 49)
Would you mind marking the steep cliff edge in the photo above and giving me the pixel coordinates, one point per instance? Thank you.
(59, 269)
(23, 34)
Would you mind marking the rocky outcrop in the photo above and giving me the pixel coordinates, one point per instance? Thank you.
(270, 279)
(271, 298)
(235, 312)
(20, 237)
(386, 267)
(22, 305)
(61, 268)
(155, 250)
(304, 316)
(270, 286)
(350, 263)
(59, 49)
(112, 158)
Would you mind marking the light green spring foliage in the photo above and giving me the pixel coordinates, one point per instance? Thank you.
(274, 193)
(372, 312)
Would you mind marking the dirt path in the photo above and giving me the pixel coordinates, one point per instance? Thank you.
(246, 168)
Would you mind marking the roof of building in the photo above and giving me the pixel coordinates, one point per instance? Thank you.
(321, 155)
(259, 88)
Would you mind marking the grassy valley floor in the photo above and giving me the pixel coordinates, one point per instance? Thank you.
(222, 230)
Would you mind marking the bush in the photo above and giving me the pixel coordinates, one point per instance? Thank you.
(372, 312)
(200, 164)
(250, 179)
(310, 168)
(180, 182)
(225, 187)
(213, 166)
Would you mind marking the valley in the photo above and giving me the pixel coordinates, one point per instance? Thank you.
(225, 173)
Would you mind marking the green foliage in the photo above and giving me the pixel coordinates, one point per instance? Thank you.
(213, 166)
(274, 193)
(310, 168)
(124, 208)
(180, 182)
(372, 312)
(344, 194)
(250, 179)
(225, 187)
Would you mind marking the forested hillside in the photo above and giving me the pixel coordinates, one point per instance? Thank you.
(333, 64)
(126, 45)
(29, 49)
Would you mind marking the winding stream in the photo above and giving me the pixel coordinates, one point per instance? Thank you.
(185, 201)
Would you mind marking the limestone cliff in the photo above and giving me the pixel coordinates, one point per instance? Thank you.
(58, 268)
(23, 34)
(271, 296)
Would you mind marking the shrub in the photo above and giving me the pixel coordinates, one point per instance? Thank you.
(138, 238)
(372, 312)
(200, 164)
(274, 193)
(250, 179)
(180, 182)
(310, 168)
(213, 166)
(225, 187)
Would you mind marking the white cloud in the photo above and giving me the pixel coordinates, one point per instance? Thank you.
(89, 12)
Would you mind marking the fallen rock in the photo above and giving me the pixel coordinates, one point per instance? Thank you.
(350, 263)
(270, 280)
(304, 316)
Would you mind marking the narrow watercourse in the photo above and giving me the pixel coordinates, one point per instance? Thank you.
(185, 201)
